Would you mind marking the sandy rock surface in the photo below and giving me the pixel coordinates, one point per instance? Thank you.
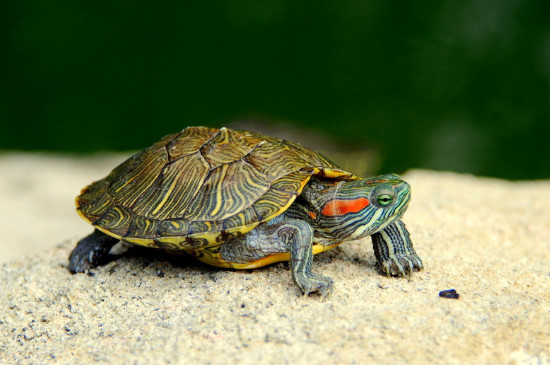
(489, 239)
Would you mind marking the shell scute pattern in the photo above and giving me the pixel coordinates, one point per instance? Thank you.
(135, 176)
(198, 227)
(228, 146)
(173, 227)
(293, 182)
(275, 160)
(189, 141)
(143, 227)
(196, 188)
(229, 188)
(116, 219)
(94, 200)
(177, 185)
(247, 217)
(273, 202)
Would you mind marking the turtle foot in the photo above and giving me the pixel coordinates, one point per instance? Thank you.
(395, 252)
(315, 283)
(400, 265)
(91, 251)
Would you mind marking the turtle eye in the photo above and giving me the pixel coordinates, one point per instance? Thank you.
(384, 200)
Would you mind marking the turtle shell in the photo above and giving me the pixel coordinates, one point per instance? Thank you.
(200, 187)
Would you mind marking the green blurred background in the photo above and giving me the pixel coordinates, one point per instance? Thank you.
(462, 86)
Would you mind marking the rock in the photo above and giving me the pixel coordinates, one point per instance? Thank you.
(488, 238)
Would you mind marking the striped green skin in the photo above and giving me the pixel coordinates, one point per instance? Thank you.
(394, 251)
(361, 223)
(201, 187)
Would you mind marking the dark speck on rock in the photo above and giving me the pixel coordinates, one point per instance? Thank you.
(449, 294)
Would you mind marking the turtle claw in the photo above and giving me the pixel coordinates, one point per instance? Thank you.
(313, 283)
(402, 266)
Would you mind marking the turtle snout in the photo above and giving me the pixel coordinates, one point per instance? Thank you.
(403, 192)
(390, 177)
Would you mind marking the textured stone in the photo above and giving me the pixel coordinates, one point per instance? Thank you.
(489, 239)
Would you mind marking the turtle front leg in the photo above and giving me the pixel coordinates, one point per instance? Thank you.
(291, 236)
(394, 250)
(298, 236)
(91, 251)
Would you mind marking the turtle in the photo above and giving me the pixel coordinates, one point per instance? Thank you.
(243, 200)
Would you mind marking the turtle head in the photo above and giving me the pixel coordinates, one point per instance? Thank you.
(356, 209)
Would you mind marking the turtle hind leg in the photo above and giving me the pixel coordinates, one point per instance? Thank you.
(395, 252)
(91, 251)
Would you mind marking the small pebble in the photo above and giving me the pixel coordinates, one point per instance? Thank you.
(449, 294)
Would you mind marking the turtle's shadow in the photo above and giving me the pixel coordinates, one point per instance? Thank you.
(143, 258)
(147, 256)
(343, 254)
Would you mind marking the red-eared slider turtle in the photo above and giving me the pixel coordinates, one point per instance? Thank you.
(242, 200)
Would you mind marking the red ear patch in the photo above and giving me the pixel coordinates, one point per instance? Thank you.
(338, 207)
